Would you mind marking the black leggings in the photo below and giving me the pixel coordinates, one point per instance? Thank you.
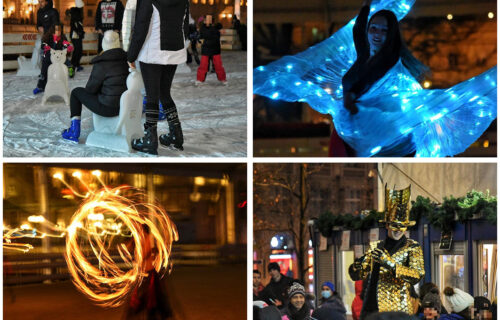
(81, 96)
(157, 82)
(77, 53)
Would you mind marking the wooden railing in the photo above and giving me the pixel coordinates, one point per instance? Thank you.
(28, 268)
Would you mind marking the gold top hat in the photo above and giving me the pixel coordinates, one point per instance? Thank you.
(397, 206)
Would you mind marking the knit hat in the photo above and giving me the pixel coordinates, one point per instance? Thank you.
(273, 266)
(432, 300)
(111, 40)
(79, 3)
(296, 288)
(456, 300)
(329, 285)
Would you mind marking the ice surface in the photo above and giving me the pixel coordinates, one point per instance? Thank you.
(213, 116)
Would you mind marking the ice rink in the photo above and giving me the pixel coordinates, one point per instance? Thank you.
(213, 116)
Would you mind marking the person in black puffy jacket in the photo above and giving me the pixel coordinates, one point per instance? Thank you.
(107, 82)
(47, 16)
(210, 50)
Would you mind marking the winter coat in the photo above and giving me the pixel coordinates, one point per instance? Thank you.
(47, 17)
(357, 303)
(327, 314)
(109, 76)
(286, 313)
(335, 303)
(211, 36)
(109, 15)
(174, 25)
(451, 316)
(277, 290)
(76, 23)
(56, 43)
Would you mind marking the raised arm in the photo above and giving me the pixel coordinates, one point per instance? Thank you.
(359, 32)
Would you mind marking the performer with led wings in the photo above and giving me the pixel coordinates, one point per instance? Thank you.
(367, 80)
(392, 266)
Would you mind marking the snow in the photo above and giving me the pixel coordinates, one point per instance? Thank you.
(213, 116)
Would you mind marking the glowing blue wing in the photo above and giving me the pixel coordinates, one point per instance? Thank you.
(397, 114)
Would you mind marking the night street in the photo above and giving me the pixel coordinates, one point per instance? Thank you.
(205, 292)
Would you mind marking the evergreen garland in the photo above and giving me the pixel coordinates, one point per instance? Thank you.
(440, 216)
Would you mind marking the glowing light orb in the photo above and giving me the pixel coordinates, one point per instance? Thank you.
(108, 281)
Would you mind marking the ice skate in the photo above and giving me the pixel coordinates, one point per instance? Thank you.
(148, 143)
(174, 138)
(73, 132)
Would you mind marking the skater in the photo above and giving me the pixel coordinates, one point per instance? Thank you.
(210, 49)
(76, 33)
(158, 44)
(366, 79)
(194, 38)
(47, 16)
(104, 88)
(109, 16)
(53, 39)
(391, 266)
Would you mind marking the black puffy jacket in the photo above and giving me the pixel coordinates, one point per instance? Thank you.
(109, 76)
(211, 36)
(174, 25)
(47, 16)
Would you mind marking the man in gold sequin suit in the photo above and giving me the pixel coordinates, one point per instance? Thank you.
(392, 266)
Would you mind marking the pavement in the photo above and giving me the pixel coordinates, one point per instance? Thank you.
(205, 292)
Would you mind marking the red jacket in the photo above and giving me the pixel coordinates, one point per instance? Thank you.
(357, 303)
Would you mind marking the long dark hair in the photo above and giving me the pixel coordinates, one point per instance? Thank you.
(395, 47)
(47, 36)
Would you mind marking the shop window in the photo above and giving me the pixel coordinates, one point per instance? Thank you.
(450, 266)
(487, 268)
(346, 289)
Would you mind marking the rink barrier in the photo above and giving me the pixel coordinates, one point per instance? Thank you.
(22, 44)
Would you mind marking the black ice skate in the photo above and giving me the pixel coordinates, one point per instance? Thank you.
(174, 138)
(148, 143)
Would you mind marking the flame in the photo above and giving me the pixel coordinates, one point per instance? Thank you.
(107, 284)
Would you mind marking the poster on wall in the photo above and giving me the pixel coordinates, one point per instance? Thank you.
(358, 250)
(345, 245)
(323, 243)
(374, 234)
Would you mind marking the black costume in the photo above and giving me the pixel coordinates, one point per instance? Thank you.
(106, 84)
(109, 16)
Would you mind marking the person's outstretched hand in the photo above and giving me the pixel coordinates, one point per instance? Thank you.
(350, 103)
(131, 65)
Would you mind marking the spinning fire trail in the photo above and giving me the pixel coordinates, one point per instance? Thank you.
(97, 231)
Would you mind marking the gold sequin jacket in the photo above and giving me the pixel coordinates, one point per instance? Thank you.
(393, 287)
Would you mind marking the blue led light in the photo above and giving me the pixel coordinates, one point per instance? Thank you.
(298, 83)
(436, 117)
(275, 95)
(320, 78)
(289, 67)
(473, 98)
(375, 150)
(261, 68)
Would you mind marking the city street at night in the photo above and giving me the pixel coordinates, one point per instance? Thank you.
(202, 292)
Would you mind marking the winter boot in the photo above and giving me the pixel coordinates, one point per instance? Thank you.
(174, 137)
(148, 143)
(73, 132)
